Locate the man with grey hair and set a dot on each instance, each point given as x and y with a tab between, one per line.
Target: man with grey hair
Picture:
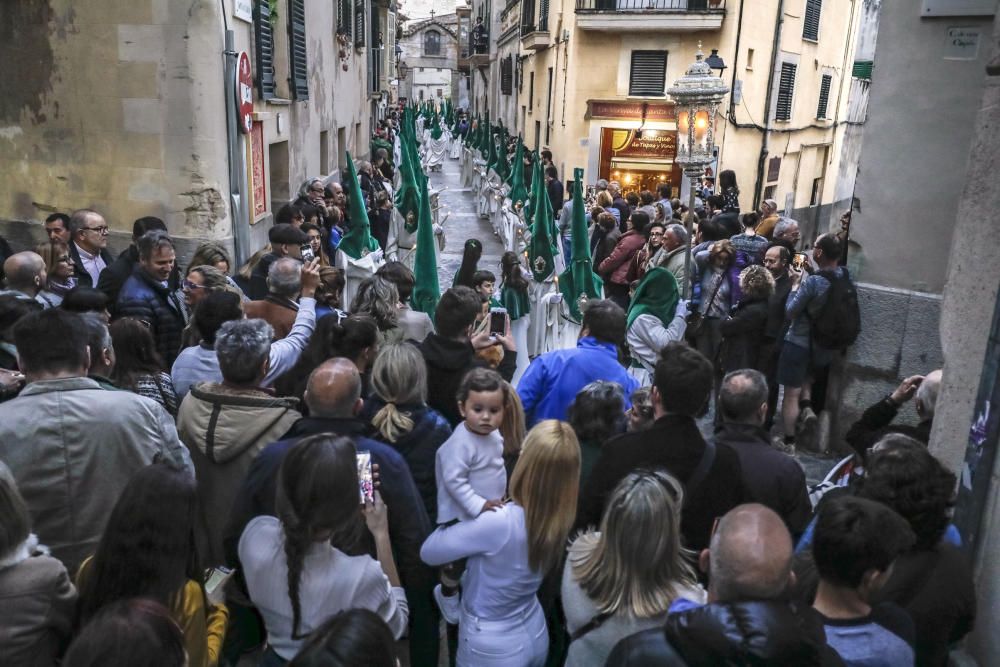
279	307
786	233
26	277
89	248
102	351
770	477
225	425
147	295
876	421
747	620
672	252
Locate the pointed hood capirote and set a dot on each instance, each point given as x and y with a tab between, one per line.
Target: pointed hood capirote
578	283
358	241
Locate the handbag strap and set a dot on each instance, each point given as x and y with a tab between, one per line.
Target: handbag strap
589	626
715	292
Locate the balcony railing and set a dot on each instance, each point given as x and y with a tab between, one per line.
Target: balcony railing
650	5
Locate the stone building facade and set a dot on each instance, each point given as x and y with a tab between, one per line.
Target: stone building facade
429	50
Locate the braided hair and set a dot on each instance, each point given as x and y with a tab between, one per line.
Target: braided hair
317	500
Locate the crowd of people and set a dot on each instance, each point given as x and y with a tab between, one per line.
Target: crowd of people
200	466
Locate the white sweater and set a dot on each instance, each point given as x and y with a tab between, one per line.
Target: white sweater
469	471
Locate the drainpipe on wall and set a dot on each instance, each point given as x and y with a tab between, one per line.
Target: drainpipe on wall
775	49
237	157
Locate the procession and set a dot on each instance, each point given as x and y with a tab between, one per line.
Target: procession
514	336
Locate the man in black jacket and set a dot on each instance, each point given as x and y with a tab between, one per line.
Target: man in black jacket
770	477
777	260
877	420
147	296
555	189
89	248
117	272
710	473
450	352
746	621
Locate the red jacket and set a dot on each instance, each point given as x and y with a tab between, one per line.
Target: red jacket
616	264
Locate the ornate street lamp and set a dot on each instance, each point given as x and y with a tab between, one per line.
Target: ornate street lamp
697	95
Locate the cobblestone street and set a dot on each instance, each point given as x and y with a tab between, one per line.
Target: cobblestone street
461	222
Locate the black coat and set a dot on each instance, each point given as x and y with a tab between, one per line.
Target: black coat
556	195
447	363
83	278
770	477
674	444
146	299
419	446
739	633
117	272
742	335
774	330
876	422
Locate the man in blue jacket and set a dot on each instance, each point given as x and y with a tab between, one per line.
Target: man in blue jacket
333	397
553	379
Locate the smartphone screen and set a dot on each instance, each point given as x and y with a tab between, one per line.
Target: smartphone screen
498	322
366	482
799	260
307	252
216	577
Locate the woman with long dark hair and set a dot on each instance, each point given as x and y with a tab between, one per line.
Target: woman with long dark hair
137	631
148	550
138	367
354	337
471	254
296	578
349	639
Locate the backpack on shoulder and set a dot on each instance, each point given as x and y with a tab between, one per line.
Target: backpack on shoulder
837	325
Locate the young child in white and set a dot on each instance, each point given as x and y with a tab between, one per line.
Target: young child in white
469	467
471	478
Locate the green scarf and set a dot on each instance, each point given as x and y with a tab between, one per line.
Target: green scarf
656	295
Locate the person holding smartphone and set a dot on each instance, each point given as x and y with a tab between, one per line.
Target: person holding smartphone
296	577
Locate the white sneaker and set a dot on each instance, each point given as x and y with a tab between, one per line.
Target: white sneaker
450	605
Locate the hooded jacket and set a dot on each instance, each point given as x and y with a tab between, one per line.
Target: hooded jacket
224	429
767	632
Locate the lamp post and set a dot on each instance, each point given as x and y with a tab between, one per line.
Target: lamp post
697	95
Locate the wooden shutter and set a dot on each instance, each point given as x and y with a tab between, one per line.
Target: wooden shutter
824	96
345	17
810	23
507	75
862	69
648	74
543	16
786	89
297	49
359	22
264	38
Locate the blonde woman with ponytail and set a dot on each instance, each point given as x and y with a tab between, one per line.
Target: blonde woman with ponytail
624	578
510	549
399	413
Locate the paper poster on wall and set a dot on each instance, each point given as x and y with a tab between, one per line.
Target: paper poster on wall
255	172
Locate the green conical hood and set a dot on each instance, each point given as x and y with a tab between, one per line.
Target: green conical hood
358	241
578	283
541	258
518	191
407	197
426	290
436	131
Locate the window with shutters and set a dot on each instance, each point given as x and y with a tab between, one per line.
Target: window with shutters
432	43
345	17
297	49
786	91
810	23
648	74
264	38
359	23
543	16
507	75
824	96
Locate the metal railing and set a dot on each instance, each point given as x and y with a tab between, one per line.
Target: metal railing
650	5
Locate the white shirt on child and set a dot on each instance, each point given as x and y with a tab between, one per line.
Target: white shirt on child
469	471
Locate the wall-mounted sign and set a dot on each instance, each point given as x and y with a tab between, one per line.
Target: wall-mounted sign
243	10
258	183
958	8
244	92
962	44
612	110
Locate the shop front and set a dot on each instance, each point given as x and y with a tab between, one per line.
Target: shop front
638	143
